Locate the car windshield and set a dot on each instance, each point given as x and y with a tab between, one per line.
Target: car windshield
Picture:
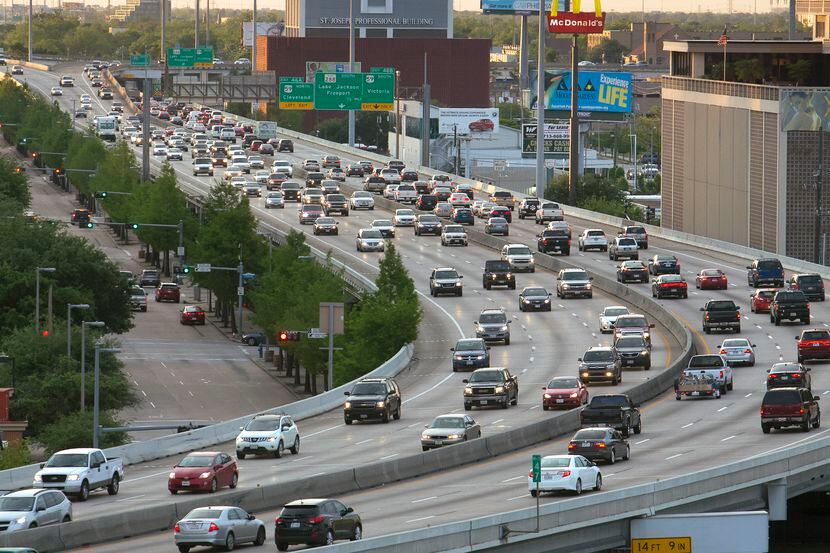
447	422
721	306
706	361
635	230
404	212
631	342
497	221
595	233
16	503
325	221
362	195
563	382
633	265
615	311
598	355
429	218
809	279
535	292
300	510
769	264
627	242
664	258
609	401
710	273
574	275
382	223
782	397
491	318
369	389
371	234
793	297
453	228
446	274
735	343
197	461
555	462
487	376
518	250
468	345
67	460
192	309
262	425
766	294
589	434
204	513
671	278
273	195
815	335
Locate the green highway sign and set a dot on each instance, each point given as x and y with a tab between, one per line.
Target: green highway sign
383	70
536	468
190	57
140	59
292	80
296	94
338	91
378	92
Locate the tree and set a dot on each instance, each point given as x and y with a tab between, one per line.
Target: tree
608	51
13	185
84	155
800	71
749	70
336	130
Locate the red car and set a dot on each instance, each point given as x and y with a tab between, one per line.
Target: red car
482	125
193	315
501	211
205	471
168	291
711	279
564	392
255	145
813	344
760	300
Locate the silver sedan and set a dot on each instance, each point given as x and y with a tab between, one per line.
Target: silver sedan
448	430
222	526
738	351
609	316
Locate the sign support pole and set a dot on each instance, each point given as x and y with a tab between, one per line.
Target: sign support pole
351	70
540	106
573	158
425	123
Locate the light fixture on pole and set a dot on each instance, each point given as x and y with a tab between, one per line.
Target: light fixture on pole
69	308
351	121
37	294
4	358
84	325
96	427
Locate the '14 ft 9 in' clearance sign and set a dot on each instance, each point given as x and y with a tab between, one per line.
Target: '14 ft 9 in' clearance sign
576	22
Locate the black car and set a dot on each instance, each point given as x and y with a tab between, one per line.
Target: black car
149	277
291	191
354	170
528	207
314	179
409	175
785	375
632	271
497	273
663	265
421	187
325	225
811	284
427	224
470	353
600	444
81	217
491	386
373	398
254	338
285	145
316	522
534	298
426	202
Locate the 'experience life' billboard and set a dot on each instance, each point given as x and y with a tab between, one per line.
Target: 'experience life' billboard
599	91
513	7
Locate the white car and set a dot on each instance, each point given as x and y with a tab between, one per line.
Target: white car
453	234
271	434
572	473
233	171
459	199
476	206
174	154
241	162
274	200
389	191
549	211
485	209
519	256
159	150
404	218
362	200
609	316
283	166
385	226
262	176
738	351
391	176
24	509
238	182
593	239
256	162
57	91
369	240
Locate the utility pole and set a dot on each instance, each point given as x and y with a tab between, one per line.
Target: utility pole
253	42
573	157
30	31
37	294
397	114
241	294
427	112
163	42
207	23
523	44
351	68
96	426
196	36
541	180
69	308
145	119
84	326
819	184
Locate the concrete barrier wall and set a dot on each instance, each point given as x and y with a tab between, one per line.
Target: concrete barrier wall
30	65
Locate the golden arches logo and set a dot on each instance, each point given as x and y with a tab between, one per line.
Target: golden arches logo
575	7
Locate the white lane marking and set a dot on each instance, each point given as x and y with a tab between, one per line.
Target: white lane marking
145	476
130	498
518	497
144	393
536	406
389	456
777	346
411	425
364	441
687	425
165	366
419	519
428	390
315	474
722	409
531	359
642	441
514	478
673	457
424	499
321	431
826	392
497	421
153	405
749	394
727	438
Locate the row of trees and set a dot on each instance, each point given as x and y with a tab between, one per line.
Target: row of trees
604	194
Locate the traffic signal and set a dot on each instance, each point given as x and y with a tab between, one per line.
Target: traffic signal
19	169
57	171
289	336
88	224
133	226
187	269
100	194
35	155
45	333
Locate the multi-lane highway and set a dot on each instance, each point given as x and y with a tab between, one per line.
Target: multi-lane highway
678	437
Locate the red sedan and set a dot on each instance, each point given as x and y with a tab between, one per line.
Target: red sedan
168	291
193	315
761	299
205	471
564	392
711	279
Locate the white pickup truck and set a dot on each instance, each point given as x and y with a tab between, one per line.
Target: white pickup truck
76	472
406	193
714	365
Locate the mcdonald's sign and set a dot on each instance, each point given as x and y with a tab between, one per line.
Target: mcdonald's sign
576	21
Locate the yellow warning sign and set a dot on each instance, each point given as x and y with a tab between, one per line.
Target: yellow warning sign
661	545
296	105
377	107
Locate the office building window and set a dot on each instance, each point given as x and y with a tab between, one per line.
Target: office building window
376	6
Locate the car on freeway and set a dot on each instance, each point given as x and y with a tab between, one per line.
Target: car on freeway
547	212
253	338
459	199
314	179
789	305
275	180
336	173
785	375
33	508
374	184
203	471
389	191
233	171
623	246
354	170
634	323
409	175
367	165
336	203
218	526
811	284
491	386
493	325
721	315
291	191
663	265
669	286
449	429
285	145
77	472
551	241
282	166
528	207
138	299
168	291
453	234
325	225
738	351
261	177
445	280
463	216
174	154
330	161
497	225
485	209
600	444
503	198
574	282
149	277
426	202
497	272
404	218
634	351
17	70
470	353
813	344
313	196
56	91
600	364
239	181
385	226
765	271
268	434
274	199
159	149
711	279
784	407
501	211
609	316
193	315
81	217
390	176
310	165
405	193
637	232
266	149
443	210
362	200
519	257
427	224
573	473
534	298
714	365
760	300
369	239
564	392
592	239
316	522
373	398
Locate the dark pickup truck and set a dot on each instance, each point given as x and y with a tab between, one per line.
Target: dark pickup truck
554	241
497	273
614	411
765	272
491	386
790	305
721	315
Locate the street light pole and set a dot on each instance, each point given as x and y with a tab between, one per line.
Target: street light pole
69	308
96	427
37	294
541	181
84	325
253	42
397	114
30	31
351	68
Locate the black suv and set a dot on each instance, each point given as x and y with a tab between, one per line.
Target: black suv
791	306
316	522
426	202
497	273
811	284
285	145
495	386
470	353
528	207
373	398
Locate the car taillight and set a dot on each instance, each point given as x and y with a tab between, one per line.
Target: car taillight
801	411
738	315
722	351
808	307
316	520
566	473
177	528
795	375
762	412
570	446
707	316
530	474
721	374
279	520
600	445
213	527
545	242
569	241
772	376
747	351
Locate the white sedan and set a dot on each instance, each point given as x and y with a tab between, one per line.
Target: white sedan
566	473
362	200
57	91
404	218
233	171
174	154
159	150
593	239
283	166
609	316
459	199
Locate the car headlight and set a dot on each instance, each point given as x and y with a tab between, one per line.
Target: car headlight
609	374
499	389
588	286
381	404
21	520
271	439
547	300
455	436
480	357
644	352
459	358
172	475
574	395
504	328
72	478
566	286
546	396
204	475
468	391
527	301
38	478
